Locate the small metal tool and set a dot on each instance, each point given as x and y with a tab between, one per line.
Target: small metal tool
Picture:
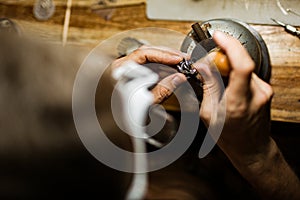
288	28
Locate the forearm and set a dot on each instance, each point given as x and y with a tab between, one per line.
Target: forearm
270	174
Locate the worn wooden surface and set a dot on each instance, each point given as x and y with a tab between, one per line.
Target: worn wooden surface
88	28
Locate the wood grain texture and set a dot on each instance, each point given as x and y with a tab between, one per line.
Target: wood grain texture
79	3
88	28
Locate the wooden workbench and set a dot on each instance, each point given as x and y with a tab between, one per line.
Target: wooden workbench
88	28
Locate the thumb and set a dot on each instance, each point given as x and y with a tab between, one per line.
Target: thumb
167	86
213	86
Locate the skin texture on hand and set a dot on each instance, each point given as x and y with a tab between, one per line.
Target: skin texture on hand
246	99
152	54
245	138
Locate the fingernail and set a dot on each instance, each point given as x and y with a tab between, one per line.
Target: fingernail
176	81
220	35
177	57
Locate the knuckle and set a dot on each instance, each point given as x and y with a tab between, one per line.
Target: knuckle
270	92
163	93
251	64
265	97
250	67
142	50
137	51
144	46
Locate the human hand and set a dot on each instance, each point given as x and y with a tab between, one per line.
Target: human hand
245	137
163	55
246	100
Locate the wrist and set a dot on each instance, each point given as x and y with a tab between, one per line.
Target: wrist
250	152
260	160
252	159
269	173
